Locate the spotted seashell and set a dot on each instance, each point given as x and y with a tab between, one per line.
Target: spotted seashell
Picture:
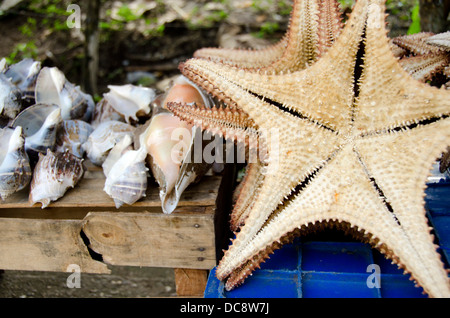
15	171
130	101
53	175
127	179
10	98
52	87
103	139
170	145
24	75
72	135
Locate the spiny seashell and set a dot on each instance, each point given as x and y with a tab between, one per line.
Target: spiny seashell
130	101
10	98
72	135
103	139
172	160
52	87
15	171
124	145
53	175
24	74
40	123
127	179
103	111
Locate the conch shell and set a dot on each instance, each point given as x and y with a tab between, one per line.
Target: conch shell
73	134
10	98
126	181
130	101
53	175
124	145
15	171
24	75
52	87
170	145
40	123
104	138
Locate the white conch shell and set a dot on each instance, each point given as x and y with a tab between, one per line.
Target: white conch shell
170	145
103	139
10	98
15	171
40	123
73	134
127	179
24	75
129	100
52	87
53	175
124	145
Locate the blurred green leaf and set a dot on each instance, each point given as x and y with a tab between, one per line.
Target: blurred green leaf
415	20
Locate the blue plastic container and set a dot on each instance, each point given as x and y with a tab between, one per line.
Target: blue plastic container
317	269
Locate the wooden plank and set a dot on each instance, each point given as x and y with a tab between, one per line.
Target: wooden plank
190	282
153	239
44	245
89	193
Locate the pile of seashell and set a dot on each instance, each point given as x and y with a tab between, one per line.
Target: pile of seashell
48	126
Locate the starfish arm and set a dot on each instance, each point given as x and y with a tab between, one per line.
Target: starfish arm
417	43
233	124
330	25
281	178
242	57
423	67
402	182
441	40
251	184
313	27
388	96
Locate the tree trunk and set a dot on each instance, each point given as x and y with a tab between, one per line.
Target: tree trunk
434	15
91	46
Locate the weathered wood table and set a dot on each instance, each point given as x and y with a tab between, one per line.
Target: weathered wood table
84	228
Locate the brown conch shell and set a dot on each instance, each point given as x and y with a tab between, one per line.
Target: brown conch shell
53	175
170	145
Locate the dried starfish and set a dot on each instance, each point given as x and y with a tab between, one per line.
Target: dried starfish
350	142
423	55
313	27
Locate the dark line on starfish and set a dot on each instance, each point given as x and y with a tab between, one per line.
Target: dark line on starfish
287	110
357	72
377	188
407	127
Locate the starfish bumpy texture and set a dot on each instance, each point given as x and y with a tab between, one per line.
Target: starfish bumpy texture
350	139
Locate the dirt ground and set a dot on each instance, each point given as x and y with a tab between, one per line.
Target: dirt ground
123	282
